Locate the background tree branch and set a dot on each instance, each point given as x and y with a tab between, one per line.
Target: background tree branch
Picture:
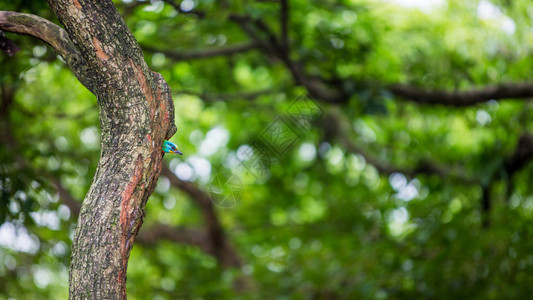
218	241
158	232
202	54
7	45
464	98
336	127
335	91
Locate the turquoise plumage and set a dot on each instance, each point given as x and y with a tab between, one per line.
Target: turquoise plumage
169	147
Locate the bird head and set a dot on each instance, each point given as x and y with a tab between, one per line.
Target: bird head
169	147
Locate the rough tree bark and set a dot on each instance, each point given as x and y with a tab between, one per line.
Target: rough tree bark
136	115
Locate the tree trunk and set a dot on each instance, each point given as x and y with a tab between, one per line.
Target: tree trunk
136	115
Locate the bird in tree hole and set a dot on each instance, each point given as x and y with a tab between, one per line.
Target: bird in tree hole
169	147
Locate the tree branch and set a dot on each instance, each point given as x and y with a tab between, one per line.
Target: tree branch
337	128
50	33
255	28
522	155
207	53
209	97
195	237
485	205
221	247
316	88
284	20
66	197
336	93
182	235
35	26
177	7
7	94
466	98
7	45
519	159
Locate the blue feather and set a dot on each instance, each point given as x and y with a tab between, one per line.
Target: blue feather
169	147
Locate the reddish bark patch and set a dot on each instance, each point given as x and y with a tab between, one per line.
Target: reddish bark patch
145	85
122	282
158	93
150	140
77	4
128	192
163	97
125	214
162	106
99	52
166	117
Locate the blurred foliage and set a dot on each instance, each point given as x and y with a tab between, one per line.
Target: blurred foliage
319	221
